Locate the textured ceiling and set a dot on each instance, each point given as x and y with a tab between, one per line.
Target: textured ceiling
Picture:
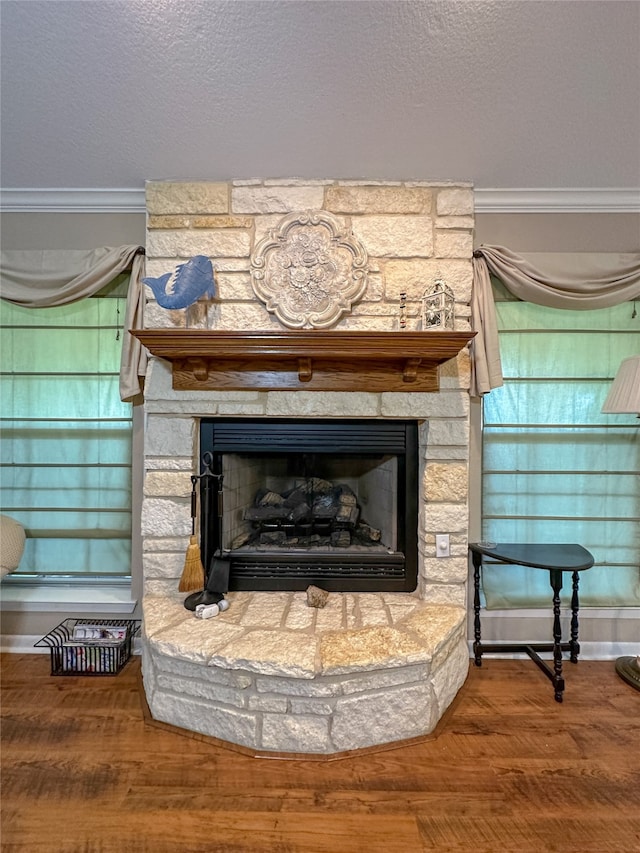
509	94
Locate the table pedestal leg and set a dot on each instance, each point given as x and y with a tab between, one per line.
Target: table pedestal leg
477	645
558	681
575	606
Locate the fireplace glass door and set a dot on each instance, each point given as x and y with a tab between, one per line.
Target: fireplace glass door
326	502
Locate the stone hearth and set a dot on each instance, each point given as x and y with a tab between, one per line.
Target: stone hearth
272	673
262	674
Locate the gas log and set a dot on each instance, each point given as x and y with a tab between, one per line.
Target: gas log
314	513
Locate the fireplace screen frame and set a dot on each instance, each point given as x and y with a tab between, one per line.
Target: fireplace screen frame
395	571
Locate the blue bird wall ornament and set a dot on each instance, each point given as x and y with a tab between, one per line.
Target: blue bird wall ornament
185	285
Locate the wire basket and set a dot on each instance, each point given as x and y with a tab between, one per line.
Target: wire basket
87	647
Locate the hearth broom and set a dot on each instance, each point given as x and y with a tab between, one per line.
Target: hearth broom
193	571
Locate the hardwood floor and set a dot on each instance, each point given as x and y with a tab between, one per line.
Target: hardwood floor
508	770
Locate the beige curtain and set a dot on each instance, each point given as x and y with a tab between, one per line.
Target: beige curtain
576	282
43	279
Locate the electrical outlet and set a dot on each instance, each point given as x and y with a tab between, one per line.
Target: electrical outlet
442	545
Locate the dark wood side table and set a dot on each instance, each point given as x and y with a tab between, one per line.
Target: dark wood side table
556	559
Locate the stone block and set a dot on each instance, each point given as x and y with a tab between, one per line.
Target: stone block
450	676
445	482
453	244
425	405
384	321
167	223
230	724
159	587
380	647
188	243
445	518
156	317
456	373
246	316
175	197
211	222
169	436
276	199
385	716
161	612
365	311
158	381
311	706
374	291
176	484
266	610
264	702
331	617
197	640
282	732
163	565
378	199
372	611
154	268
201	689
394	236
380	679
269	652
255	407
165	517
165	544
410	276
455	201
358	404
436	625
212	675
289	182
299	615
320	687
233	286
445	569
449	433
443	593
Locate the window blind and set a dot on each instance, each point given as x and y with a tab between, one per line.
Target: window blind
65	436
555	469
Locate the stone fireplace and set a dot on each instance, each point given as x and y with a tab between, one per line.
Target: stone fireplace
294	502
271	674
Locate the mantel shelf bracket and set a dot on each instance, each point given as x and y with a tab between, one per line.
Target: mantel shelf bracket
305	370
200	368
410	372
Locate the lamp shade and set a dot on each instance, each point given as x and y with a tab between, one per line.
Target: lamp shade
624	394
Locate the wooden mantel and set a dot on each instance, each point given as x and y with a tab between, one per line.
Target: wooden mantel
312	360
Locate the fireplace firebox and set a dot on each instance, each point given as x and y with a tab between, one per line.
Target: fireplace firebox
332	503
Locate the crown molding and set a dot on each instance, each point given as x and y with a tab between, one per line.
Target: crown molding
132	200
557	200
61	200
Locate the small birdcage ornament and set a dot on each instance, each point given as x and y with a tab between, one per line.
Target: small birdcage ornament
438	307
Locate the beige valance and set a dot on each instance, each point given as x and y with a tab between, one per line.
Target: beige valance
584	281
46	278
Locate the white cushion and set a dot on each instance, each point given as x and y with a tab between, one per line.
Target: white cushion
12	539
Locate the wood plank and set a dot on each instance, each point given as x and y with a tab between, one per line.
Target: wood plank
510	770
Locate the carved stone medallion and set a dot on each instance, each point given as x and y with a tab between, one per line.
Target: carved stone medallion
309	271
